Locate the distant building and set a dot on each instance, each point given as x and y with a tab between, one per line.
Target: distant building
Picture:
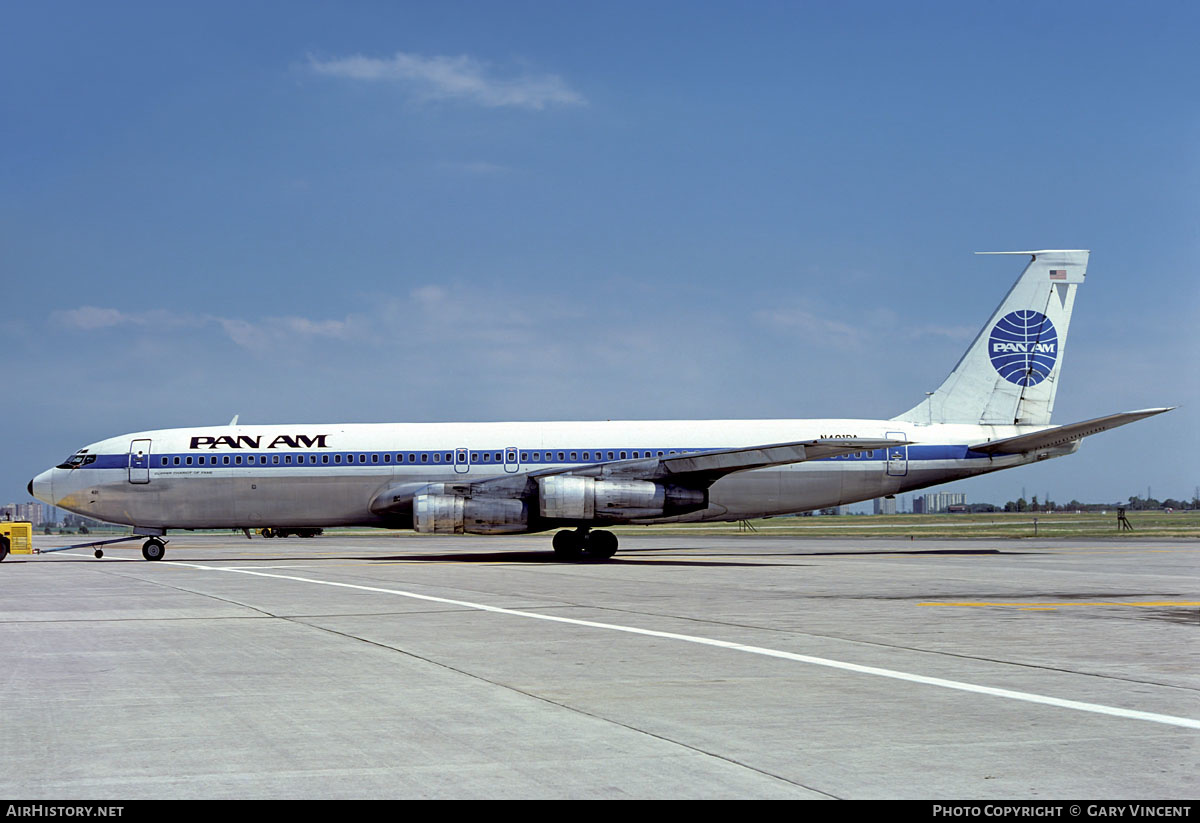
36	513
937	502
885	505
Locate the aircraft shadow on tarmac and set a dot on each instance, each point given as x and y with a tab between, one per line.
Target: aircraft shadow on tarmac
660	556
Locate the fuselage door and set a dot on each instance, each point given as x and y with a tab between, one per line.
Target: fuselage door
139	461
511	459
462	461
897	456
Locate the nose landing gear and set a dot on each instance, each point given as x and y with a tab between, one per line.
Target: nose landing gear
154	549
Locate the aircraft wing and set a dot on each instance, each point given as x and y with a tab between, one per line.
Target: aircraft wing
1062	435
703	468
697	469
714	463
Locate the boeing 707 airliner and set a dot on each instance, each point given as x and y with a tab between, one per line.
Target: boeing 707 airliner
991	413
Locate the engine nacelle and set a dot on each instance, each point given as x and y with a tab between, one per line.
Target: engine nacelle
452	514
567	497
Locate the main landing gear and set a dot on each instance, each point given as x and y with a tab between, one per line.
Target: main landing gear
154	549
573	545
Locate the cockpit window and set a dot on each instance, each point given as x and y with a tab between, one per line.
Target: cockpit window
80	458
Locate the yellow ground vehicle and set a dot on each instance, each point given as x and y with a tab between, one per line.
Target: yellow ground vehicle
16	536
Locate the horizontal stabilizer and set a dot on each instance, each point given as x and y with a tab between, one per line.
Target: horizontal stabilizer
1062	435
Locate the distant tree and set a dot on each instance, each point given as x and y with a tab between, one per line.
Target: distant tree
1022	505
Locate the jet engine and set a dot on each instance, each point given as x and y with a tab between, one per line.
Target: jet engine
568	497
453	514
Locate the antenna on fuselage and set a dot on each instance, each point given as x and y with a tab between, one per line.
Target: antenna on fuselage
233	422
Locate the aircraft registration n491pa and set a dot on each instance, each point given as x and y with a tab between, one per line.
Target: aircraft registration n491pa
991	413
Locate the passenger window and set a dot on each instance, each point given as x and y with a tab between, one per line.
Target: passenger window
176	461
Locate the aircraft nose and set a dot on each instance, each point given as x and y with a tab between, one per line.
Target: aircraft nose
42	487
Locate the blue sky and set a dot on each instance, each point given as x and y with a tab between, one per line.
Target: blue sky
487	211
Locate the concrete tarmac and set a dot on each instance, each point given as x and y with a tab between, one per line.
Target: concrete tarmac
737	666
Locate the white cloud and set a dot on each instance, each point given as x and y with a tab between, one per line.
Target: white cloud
429	295
89	318
258	335
812	326
453	78
93	318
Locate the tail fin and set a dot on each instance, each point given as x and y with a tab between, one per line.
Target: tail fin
1010	373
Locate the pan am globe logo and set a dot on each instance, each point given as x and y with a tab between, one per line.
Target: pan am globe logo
1024	347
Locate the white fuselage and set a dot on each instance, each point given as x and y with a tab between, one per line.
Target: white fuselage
328	475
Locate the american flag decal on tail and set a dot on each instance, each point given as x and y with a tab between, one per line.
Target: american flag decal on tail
1058	274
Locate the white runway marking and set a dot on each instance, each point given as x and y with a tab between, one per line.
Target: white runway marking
1028	697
